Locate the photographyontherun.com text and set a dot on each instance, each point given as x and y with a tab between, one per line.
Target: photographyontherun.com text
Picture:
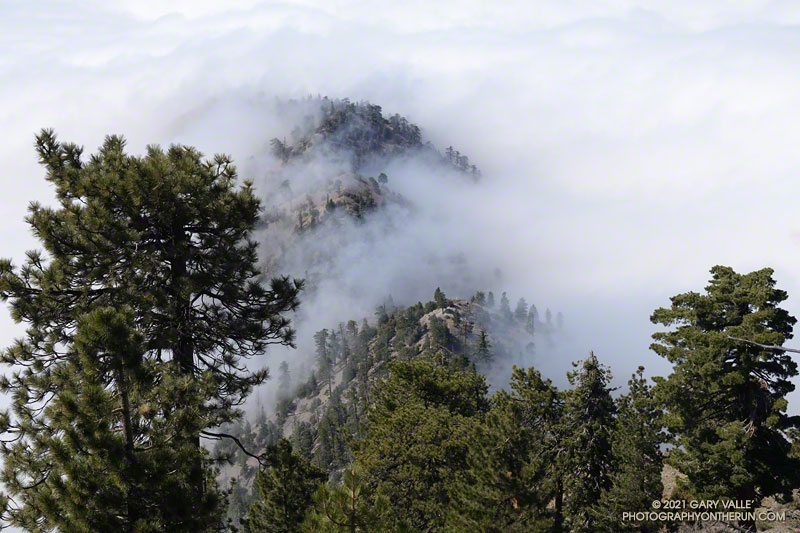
703	510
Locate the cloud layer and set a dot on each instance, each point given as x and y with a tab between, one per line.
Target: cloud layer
627	146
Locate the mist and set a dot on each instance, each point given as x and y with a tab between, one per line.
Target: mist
626	148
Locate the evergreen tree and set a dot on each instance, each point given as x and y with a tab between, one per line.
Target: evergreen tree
505	308
512	461
521	311
284	381
439	298
530	322
490	300
479	298
285	491
417	438
347	508
636	448
483	353
589	411
324	362
726	398
167	236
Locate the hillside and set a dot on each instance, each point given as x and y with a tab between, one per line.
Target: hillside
324	412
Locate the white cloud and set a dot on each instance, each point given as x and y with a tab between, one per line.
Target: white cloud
627	146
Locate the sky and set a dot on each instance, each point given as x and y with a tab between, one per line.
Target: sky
626	147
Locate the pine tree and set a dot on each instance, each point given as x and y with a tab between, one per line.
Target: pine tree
530	322
167	236
521	311
589	412
490	300
417	438
505	308
285	491
512	461
483	353
284	381
324	362
439	298
726	398
347	508
636	448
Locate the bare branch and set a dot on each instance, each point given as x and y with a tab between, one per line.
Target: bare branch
766	346
218	436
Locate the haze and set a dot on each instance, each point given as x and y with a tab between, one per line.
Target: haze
626	147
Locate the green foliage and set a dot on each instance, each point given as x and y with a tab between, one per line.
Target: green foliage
347	508
286	488
166	237
511	461
726	399
417	439
588	426
440	298
636	448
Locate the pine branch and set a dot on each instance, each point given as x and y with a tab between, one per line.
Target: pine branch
219	436
766	346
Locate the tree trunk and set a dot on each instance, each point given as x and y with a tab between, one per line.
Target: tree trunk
558	521
183	350
133	501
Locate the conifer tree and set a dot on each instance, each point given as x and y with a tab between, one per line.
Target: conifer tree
530	322
505	308
483	353
347	508
636	448
167	236
490	300
417	438
439	298
285	491
324	362
284	381
589	422
521	311
512	461
726	398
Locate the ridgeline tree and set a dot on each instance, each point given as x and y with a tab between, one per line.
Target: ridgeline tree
636	448
167	237
505	308
589	422
726	398
286	488
521	311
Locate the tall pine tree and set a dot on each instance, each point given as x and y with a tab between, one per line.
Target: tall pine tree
285	491
636	447
589	423
726	398
168	237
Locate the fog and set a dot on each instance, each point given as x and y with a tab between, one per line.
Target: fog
626	147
